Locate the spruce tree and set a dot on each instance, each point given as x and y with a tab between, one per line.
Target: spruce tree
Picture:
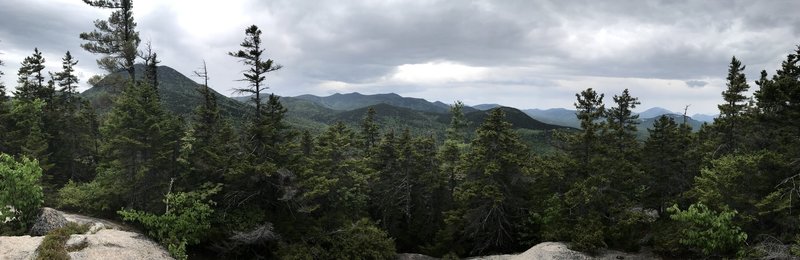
730	122
212	147
335	188
116	38
3	96
5	107
669	153
491	198
31	81
252	55
66	79
622	124
590	110
369	130
141	148
454	145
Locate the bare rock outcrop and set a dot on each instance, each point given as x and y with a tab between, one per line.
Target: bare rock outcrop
49	220
104	240
548	251
115	244
19	247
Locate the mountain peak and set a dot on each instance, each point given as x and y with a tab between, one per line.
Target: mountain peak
654	112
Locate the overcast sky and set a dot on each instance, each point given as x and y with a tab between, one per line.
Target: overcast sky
526	54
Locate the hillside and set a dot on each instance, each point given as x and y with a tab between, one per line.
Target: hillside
648	123
356	100
555	116
654	112
178	93
518	118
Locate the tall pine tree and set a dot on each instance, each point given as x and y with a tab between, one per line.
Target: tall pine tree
491	198
31	80
116	38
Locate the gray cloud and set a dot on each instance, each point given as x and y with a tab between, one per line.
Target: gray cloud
696	83
362	43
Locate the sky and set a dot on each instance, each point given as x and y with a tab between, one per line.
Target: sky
525	54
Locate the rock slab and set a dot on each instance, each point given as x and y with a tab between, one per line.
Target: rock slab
117	244
19	247
104	240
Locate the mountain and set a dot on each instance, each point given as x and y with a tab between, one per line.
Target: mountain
555	116
646	123
351	101
485	107
517	118
654	112
178	93
704	117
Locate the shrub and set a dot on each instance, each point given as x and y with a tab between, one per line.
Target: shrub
708	232
361	240
186	221
21	195
52	246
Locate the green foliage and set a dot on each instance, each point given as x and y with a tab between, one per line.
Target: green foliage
31	81
52	246
26	133
360	240
116	38
708	232
489	199
672	147
21	194
335	187
97	196
251	55
141	147
185	222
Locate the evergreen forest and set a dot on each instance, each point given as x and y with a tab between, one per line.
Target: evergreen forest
246	180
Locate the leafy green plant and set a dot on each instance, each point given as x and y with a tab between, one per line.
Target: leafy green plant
21	194
187	219
709	232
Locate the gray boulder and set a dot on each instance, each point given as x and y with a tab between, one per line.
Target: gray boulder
48	220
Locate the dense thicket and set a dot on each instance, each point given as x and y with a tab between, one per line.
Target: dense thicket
266	190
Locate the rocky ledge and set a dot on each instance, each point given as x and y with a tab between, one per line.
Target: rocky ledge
104	240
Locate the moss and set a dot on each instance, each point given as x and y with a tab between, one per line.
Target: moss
53	247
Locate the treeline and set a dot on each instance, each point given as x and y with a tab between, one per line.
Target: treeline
266	190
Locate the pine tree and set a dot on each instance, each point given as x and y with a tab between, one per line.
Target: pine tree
66	78
116	38
251	55
71	125
622	124
5	108
141	149
335	188
590	110
490	199
3	96
31	81
151	66
26	132
212	148
672	163
454	145
369	130
730	120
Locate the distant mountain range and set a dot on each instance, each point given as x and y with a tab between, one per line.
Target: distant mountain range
314	113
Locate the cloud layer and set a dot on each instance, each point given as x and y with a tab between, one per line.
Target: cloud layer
528	54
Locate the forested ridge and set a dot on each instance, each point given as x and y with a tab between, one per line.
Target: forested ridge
208	183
